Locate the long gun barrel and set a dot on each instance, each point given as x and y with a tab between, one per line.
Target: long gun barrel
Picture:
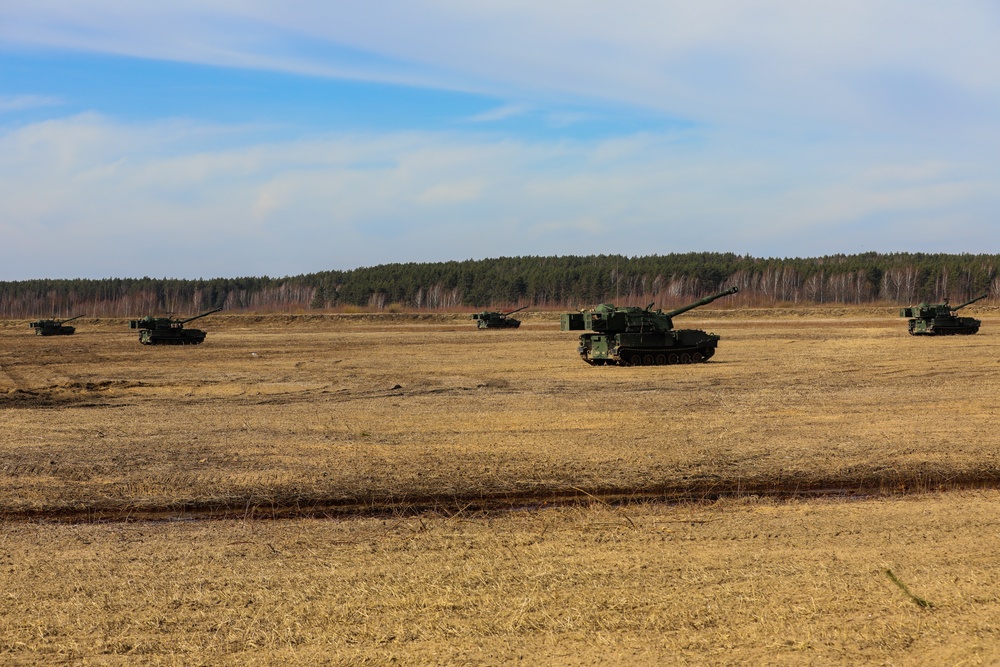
71	319
202	315
702	302
972	301
515	311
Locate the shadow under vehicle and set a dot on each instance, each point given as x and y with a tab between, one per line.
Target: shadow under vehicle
632	336
168	330
939	319
489	319
54	327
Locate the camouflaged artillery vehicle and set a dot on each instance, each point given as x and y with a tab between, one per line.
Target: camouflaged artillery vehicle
939	319
632	336
54	327
489	319
168	330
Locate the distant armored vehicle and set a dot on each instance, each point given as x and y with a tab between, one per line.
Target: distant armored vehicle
54	327
168	330
497	320
939	319
633	336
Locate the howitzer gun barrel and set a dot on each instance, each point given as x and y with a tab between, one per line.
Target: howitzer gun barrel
511	312
972	301
202	315
702	302
71	319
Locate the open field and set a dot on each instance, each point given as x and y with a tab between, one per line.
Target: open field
415	431
277	415
735	582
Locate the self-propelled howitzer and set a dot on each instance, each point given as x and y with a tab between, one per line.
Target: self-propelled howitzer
489	319
939	319
54	327
168	330
633	336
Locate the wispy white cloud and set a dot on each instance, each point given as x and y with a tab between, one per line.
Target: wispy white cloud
850	62
98	197
811	128
25	102
501	113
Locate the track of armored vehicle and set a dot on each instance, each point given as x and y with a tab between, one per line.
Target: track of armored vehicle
965	327
663	356
165	337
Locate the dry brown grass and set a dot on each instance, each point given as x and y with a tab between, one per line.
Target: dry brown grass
737	582
388	412
364	413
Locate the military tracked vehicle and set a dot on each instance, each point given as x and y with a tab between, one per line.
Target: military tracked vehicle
939	319
54	327
489	319
168	330
632	336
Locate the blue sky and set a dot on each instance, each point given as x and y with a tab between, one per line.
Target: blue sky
216	138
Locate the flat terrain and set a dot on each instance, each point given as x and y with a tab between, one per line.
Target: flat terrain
742	510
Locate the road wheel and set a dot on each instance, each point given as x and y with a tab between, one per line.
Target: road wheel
661	359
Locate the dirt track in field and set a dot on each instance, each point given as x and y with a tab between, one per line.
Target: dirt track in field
847	490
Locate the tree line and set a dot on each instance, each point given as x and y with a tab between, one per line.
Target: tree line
545	282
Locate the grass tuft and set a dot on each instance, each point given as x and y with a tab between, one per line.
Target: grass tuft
919	601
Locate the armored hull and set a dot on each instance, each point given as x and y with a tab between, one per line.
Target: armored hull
639	336
498	323
944	326
679	346
172	336
54	330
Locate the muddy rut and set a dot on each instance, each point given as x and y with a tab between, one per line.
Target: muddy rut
842	490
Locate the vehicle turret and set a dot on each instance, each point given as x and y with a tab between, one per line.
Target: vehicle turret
632	336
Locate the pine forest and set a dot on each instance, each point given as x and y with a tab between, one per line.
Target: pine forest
567	282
